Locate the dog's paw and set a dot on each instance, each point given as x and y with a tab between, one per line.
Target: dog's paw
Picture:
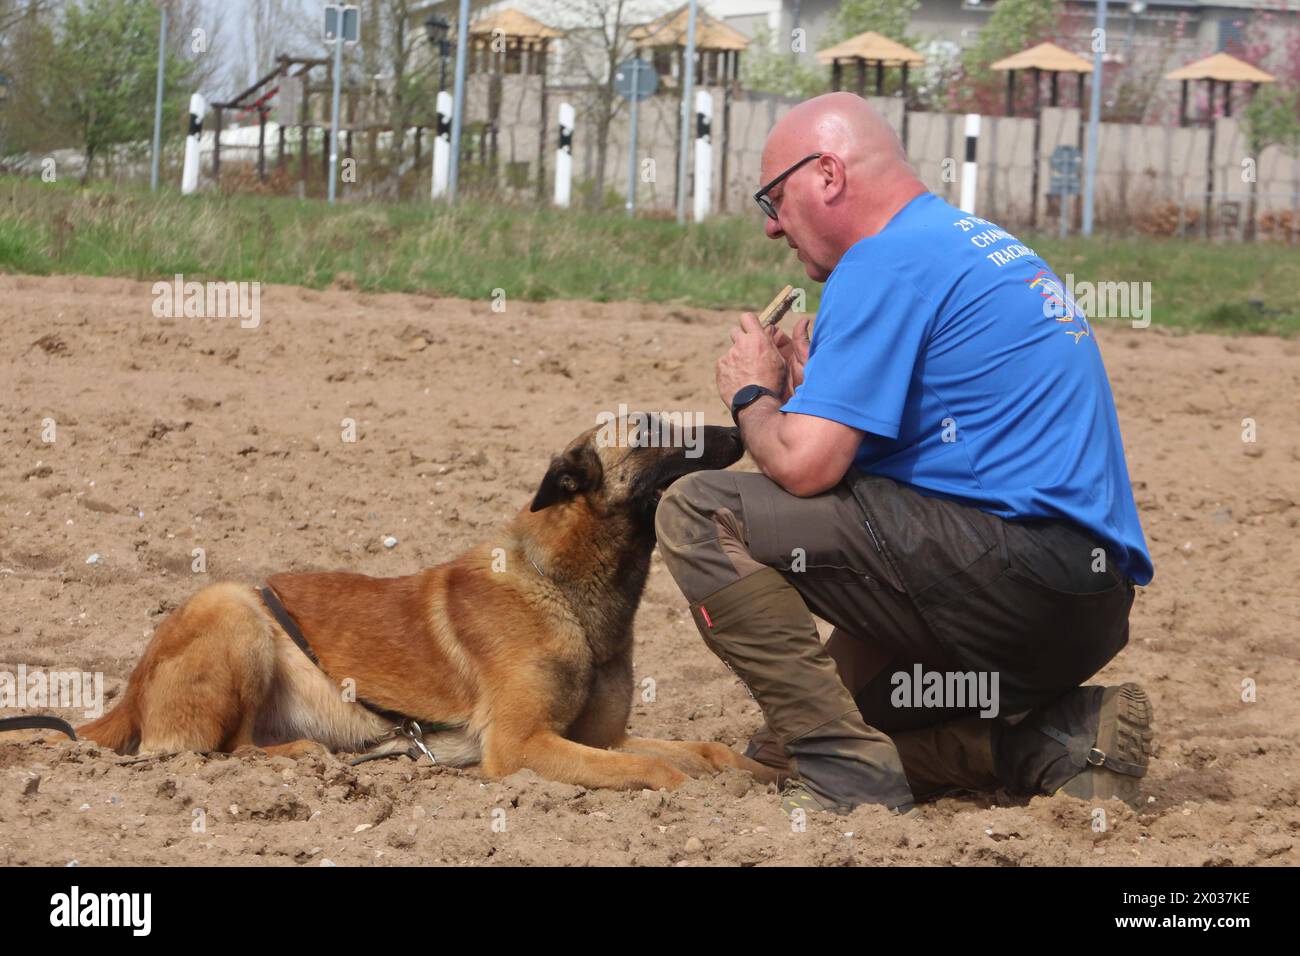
295	750
666	777
298	749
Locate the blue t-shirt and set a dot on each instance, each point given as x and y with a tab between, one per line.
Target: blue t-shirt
975	376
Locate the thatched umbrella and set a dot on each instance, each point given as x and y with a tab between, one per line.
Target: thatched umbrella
1050	59
1220	68
521	43
507	41
869	49
717	45
1045	58
1226	69
717	62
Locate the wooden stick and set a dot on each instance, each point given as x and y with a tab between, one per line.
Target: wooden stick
777	308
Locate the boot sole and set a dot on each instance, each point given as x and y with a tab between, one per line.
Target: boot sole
1124	732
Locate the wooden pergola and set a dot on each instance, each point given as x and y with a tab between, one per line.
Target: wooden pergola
717	63
508	42
521	44
866	50
1219	68
257	99
1045	58
1050	59
717	46
1226	69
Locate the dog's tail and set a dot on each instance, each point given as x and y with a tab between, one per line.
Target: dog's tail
118	730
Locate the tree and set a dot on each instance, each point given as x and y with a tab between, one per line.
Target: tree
1012	26
889	18
1273	115
594	52
1273	118
767	68
392	32
103	73
14	12
276	27
26	50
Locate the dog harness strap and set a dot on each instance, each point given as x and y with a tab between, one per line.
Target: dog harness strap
272	601
286	621
1096	757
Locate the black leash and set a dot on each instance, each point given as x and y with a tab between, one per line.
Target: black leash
37	722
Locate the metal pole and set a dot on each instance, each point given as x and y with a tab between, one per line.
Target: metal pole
458	107
334	121
1094	124
158	103
688	107
631	158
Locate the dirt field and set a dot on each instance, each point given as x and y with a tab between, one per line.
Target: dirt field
179	434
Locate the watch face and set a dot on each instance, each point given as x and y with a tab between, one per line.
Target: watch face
745	395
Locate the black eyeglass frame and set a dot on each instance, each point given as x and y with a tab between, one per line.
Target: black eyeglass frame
760	197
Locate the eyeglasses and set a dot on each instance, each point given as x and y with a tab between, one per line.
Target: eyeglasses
761	197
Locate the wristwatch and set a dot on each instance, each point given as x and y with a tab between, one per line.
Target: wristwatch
748	396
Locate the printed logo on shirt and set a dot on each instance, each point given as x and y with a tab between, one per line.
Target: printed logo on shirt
1059	304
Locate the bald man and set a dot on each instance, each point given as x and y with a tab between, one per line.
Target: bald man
942	479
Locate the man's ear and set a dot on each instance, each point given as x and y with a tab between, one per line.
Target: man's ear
834	176
575	471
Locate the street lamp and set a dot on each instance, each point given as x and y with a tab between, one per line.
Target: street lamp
438	29
1135	9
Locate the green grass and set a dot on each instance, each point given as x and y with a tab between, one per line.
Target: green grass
537	253
1210	287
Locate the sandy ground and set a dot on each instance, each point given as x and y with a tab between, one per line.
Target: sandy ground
179	434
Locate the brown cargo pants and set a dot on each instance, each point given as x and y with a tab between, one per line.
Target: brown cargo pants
913	586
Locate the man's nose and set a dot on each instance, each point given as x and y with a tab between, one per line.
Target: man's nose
772	227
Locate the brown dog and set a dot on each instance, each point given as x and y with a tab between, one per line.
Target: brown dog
518	654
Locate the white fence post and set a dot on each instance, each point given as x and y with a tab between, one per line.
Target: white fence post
703	153
442	146
970	169
564	156
193	145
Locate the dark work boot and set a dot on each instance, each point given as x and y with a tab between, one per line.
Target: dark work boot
947	757
1093	743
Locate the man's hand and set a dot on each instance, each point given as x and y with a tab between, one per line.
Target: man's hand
795	352
753	359
804	454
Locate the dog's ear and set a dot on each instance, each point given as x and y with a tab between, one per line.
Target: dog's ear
576	471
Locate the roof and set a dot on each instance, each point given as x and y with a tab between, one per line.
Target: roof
870	46
1047	57
512	23
670	30
1223	67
